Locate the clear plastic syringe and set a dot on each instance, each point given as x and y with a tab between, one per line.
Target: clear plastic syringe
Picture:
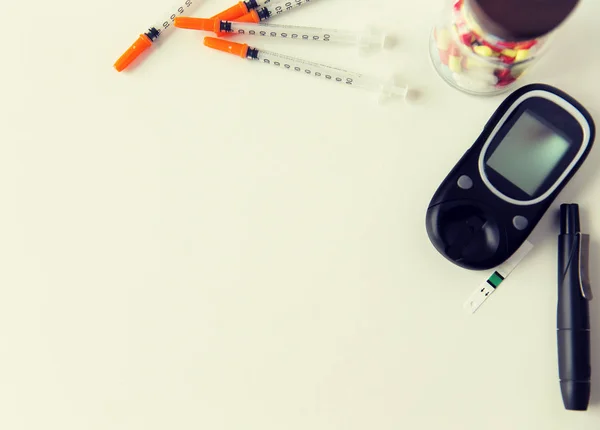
386	89
368	40
244	7
272	9
162	27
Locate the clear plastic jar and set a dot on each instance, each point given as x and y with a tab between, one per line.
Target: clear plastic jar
475	61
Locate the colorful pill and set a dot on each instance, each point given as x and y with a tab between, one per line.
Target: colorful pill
504	77
507	56
497	49
505	82
483	51
526	45
443	39
454	50
444	57
509	53
522	55
502	74
467	38
454	64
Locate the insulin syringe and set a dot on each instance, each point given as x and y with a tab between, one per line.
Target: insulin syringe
245	7
158	30
386	89
270	10
367	40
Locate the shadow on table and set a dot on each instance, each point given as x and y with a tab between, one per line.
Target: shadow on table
595	319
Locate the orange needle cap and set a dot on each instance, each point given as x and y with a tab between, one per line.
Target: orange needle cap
233	12
198	23
140	45
240	49
249	17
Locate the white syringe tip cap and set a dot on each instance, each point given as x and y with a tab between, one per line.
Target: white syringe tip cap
387	42
373	40
391	89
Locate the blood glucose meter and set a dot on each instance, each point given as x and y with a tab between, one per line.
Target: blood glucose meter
497	193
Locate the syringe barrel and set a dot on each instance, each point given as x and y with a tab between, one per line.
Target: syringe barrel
278	7
295	32
344	77
385	89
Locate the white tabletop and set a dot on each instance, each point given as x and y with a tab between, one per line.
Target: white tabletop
207	243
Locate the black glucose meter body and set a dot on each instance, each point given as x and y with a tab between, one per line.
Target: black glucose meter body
497	193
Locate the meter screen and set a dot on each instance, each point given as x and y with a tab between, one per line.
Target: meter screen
529	152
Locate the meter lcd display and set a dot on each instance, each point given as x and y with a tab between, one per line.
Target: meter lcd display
528	153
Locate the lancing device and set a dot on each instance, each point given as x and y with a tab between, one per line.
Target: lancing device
573	316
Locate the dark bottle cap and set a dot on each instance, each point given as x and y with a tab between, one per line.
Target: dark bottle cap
569	219
516	20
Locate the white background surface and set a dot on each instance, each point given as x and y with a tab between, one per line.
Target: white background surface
207	243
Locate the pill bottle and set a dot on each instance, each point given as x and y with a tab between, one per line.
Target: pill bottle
483	47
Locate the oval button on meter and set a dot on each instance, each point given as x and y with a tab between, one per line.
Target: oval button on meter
520	222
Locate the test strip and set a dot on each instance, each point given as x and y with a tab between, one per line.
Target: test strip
487	288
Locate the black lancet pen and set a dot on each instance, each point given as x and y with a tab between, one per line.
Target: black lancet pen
573	316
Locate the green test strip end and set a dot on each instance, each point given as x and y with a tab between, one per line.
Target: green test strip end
495	280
